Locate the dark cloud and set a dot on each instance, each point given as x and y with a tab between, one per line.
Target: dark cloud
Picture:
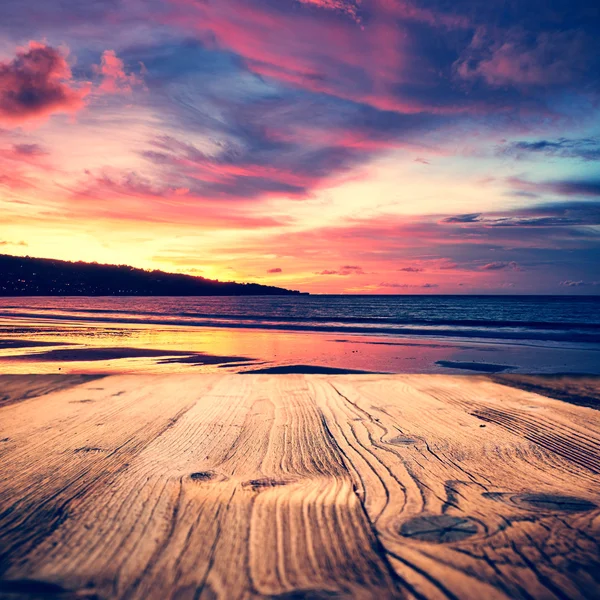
37	83
470	218
275	270
411	269
557	214
286	143
587	149
584	187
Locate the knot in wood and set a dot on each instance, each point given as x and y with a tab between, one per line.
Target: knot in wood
439	528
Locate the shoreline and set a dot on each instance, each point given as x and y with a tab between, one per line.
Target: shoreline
561	334
84	347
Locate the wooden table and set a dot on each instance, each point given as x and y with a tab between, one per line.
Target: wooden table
303	486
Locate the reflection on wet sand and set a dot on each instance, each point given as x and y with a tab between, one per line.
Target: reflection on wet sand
97	354
37	346
474	366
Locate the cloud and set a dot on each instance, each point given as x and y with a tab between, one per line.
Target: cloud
562	187
587	149
388	284
365	52
512	57
502	266
275	270
551	214
285	146
233	171
350	7
36	84
470	218
128	195
447	265
411	269
589	187
114	78
580	283
343	271
20	162
29	150
7	243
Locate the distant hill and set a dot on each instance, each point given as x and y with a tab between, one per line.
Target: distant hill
25	276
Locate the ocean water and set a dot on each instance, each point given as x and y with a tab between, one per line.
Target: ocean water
516	333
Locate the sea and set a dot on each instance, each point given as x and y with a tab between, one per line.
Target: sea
392	334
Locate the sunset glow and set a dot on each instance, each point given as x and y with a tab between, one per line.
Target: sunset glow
330	146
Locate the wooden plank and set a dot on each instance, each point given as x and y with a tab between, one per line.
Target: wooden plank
63	445
183	487
469	508
570	432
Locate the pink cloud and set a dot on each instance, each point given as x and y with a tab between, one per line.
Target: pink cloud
349	7
343	271
508	58
128	196
114	78
36	84
364	63
502	266
16	156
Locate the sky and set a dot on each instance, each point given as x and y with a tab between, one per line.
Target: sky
330	146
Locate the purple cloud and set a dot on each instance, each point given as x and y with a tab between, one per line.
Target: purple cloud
343	271
388	284
37	83
502	266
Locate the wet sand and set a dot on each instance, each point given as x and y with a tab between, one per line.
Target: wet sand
31	346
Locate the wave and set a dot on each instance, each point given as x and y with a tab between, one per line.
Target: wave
477	323
442	328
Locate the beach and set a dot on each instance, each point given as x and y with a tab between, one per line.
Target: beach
306	448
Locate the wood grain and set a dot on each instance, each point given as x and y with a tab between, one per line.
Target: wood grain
464	510
221	486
